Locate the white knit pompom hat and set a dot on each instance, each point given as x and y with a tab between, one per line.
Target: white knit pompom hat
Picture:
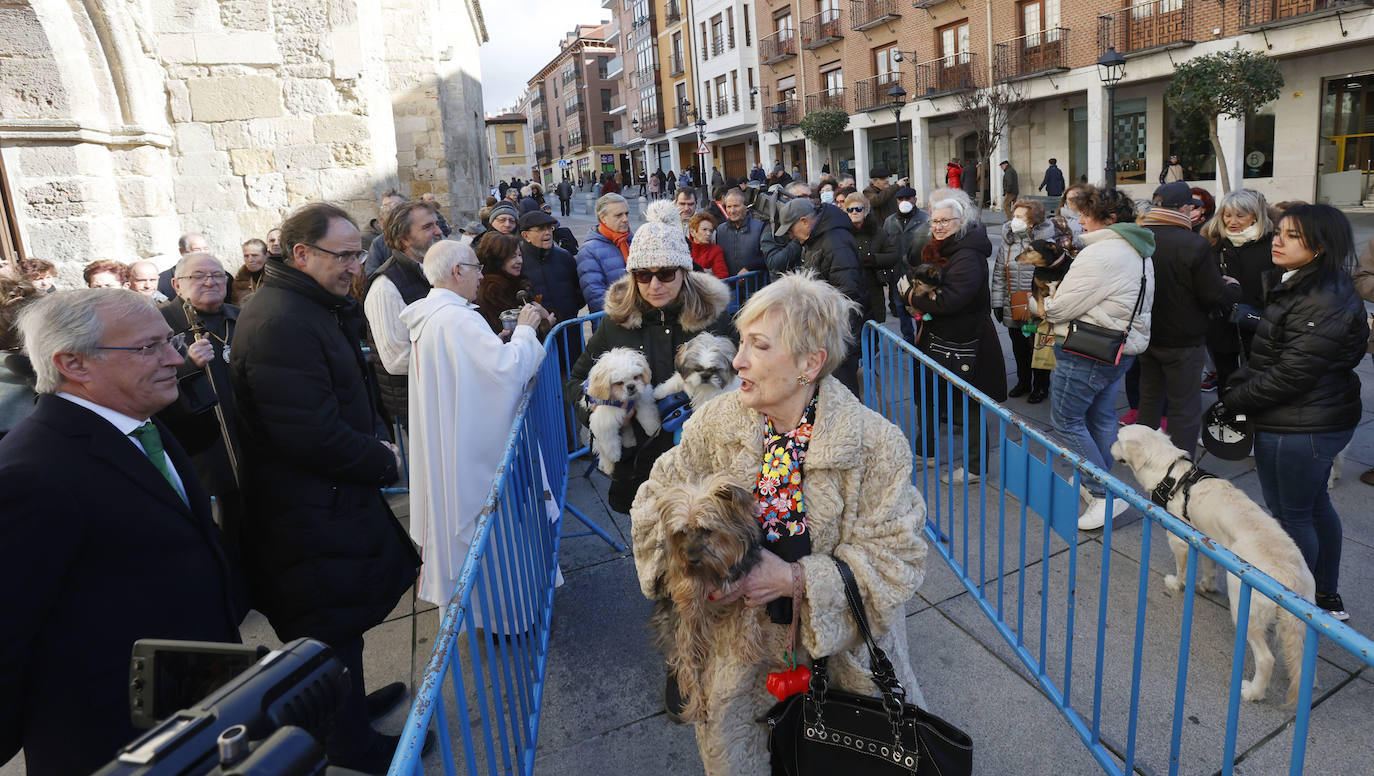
659	243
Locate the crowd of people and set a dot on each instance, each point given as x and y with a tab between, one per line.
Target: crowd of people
286	391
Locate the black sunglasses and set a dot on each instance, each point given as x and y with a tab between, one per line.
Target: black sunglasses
855	209
646	276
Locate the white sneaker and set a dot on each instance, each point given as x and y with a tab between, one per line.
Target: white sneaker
958	476
1095	516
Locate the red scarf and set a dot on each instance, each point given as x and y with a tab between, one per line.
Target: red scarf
621	240
930	254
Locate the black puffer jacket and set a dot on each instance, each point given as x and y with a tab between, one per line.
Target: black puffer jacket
324	555
832	252
1300	378
1188	287
877	258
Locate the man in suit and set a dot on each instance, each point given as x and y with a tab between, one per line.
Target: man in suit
106	531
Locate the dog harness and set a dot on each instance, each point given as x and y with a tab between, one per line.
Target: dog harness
1170	486
595	402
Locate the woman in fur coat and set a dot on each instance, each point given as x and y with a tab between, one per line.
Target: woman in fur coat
832	480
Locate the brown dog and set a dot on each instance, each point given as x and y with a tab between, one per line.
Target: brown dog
711	540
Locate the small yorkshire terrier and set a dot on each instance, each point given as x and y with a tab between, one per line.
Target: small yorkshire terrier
711	539
926	280
703	369
1051	264
620	379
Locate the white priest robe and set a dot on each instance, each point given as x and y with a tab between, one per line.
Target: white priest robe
464	386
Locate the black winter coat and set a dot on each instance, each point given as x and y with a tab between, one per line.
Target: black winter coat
1188	286
962	309
877	258
1300	378
832	252
325	556
1246	263
553	274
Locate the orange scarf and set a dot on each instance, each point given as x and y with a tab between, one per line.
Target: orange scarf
621	240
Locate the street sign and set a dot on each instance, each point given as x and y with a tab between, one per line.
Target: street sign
702	149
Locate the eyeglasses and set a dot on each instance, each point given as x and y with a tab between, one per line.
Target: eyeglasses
854	209
345	258
646	276
175	341
197	277
943	221
469	264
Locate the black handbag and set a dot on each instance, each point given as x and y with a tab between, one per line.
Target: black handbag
1099	342
961	358
825	731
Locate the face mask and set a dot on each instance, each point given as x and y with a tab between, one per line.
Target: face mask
905	207
827	196
1018	225
1068	212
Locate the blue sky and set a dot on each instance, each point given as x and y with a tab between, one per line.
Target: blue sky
524	36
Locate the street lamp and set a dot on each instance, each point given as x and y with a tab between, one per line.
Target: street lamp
779	116
1111	68
898	97
701	140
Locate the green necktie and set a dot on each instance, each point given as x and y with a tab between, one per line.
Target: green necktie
147	435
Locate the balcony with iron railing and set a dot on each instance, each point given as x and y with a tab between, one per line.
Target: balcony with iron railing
575	143
726	105
789	115
871	93
569	108
672	12
650	125
675	66
682	116
717	45
1148	26
777	47
822	29
946	75
1275	13
867	14
541	127
1030	55
826	98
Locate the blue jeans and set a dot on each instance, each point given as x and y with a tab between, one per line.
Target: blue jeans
1083	408
1292	471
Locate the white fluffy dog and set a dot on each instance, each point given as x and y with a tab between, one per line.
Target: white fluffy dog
1221	511
703	369
619	380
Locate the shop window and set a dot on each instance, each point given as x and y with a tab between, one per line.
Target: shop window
1188	137
1259	144
1128	139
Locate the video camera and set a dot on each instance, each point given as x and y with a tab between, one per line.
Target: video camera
267	720
765	202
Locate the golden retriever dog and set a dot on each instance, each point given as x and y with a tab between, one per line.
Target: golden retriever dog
1220	510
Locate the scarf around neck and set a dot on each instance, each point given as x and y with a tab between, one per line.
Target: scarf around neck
621	240
930	253
1247	235
1160	216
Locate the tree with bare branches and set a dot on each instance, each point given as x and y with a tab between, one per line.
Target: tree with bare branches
989	111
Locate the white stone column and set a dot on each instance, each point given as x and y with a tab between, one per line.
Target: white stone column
1099	126
815	157
1231	133
861	164
920	157
999	152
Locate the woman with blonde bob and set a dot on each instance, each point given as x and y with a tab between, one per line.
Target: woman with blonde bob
832	479
654	308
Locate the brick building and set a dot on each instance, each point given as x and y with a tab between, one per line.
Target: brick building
571	100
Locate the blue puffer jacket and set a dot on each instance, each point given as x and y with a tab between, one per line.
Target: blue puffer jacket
599	264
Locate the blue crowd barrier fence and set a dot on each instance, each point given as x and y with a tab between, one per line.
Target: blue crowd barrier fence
1012	540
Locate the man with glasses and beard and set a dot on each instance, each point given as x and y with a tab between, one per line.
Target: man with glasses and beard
325	557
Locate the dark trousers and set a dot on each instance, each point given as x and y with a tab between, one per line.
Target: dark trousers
632	470
1173	373
352	734
565	207
941	403
1021	349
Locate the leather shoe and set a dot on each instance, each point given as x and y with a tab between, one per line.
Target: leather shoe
1368	477
381	701
1038	395
1020	390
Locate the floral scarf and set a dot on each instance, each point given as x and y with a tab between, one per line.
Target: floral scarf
781	508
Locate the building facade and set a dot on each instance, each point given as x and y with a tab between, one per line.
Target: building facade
1314	143
508	139
123	125
571	103
727	82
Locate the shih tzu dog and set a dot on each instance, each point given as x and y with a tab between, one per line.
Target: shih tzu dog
620	379
711	540
703	370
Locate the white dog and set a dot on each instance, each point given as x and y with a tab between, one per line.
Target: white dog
704	369
1221	511
618	381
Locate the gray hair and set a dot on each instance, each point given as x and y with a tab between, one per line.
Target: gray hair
185	240
443	258
1239	201
798	189
190	257
960	209
813	315
71	322
604	203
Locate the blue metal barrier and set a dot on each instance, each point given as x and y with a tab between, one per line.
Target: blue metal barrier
1012	538
743	286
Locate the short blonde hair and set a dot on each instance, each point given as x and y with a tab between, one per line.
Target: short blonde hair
856	199
812	315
